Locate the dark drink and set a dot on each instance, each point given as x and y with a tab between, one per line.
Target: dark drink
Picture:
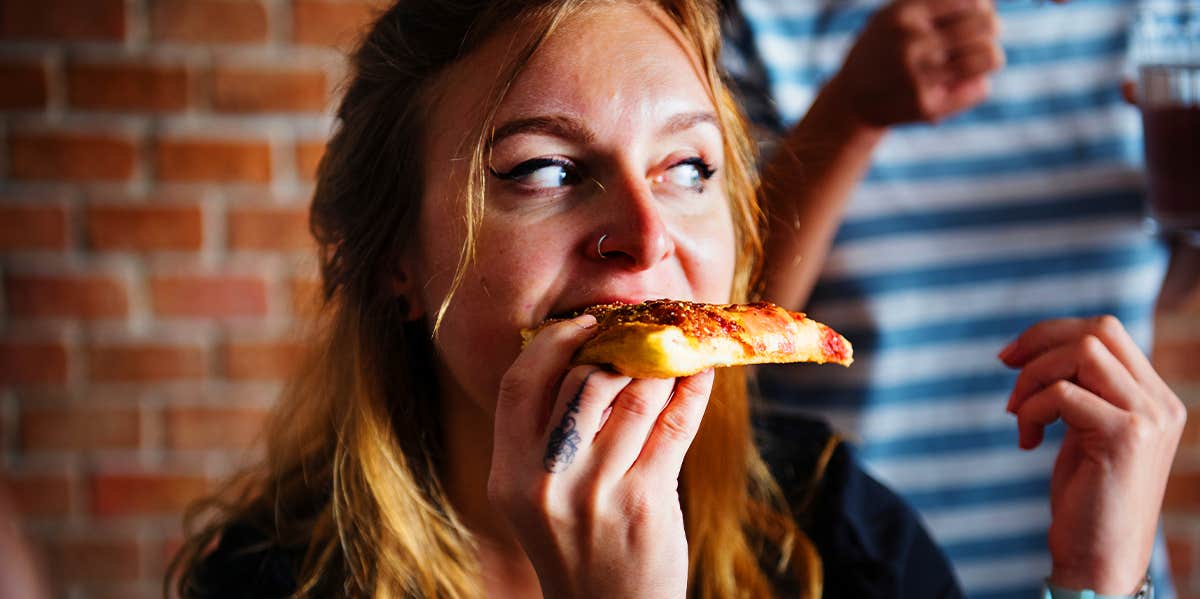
1171	126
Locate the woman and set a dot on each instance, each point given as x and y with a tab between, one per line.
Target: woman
422	452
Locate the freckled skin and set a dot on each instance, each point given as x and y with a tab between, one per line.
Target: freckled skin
623	76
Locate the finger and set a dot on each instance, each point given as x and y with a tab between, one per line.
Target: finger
947	10
1087	362
532	379
1047	334
962	95
677	426
972	60
585	395
634	413
1081	409
969	28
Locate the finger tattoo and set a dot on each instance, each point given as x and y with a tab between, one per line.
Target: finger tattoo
564	439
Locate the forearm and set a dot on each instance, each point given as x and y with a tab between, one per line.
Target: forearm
806	185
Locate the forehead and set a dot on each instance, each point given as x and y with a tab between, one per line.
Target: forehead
603	65
608	63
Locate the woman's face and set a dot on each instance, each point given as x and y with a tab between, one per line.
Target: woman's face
608	133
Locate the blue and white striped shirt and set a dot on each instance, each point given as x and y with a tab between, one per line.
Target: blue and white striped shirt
1024	208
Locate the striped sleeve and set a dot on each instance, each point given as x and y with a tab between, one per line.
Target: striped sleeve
1025	208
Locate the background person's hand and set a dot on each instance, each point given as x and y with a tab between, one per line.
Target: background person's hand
1124	425
587	468
920	60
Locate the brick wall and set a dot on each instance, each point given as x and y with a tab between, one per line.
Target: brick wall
156	158
155	162
1177	357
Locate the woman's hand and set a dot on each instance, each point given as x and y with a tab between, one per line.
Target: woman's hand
920	60
1124	424
586	469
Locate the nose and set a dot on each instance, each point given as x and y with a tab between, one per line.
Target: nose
634	233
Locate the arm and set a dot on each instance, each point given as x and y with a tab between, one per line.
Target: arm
916	60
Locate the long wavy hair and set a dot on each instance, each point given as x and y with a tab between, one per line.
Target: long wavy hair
350	478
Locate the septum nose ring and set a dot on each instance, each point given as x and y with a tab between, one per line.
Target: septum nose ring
599	250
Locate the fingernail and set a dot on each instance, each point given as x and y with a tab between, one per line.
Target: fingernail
585	321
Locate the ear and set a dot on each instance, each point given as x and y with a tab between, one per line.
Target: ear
400	282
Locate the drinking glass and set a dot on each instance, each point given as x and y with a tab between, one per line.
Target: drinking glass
1166	52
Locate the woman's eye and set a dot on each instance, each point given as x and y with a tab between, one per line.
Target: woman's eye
542	173
689	174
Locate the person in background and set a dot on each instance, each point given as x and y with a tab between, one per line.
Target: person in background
938	173
497	163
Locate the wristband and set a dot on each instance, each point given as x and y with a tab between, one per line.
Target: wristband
1146	591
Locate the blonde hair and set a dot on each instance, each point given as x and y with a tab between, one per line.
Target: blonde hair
351	470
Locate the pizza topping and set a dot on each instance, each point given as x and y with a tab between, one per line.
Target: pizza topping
669	338
696	320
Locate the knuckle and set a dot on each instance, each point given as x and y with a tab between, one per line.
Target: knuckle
992	24
1139	430
1061	388
638	401
634	403
998	59
1091	348
1177	413
676	426
1105	326
638	503
512	386
927	110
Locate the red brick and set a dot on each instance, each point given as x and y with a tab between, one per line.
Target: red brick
145	363
71	156
1183	556
1176	360
97	560
237	21
140	87
63	19
203	427
273	228
208	296
144	493
40	494
306	297
145	227
77	427
32	363
331	22
29	227
308	158
213	160
67	296
1183	492
261	360
24	85
1191	429
269	90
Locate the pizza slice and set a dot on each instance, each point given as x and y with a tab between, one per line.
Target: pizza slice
671	338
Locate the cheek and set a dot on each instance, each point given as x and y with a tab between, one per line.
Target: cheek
713	259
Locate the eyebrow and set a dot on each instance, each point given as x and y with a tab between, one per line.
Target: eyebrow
574	130
556	126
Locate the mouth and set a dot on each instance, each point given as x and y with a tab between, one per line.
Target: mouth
575	309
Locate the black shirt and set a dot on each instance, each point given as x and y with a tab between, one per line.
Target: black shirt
872	545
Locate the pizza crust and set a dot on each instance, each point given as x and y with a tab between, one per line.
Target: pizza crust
670	338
